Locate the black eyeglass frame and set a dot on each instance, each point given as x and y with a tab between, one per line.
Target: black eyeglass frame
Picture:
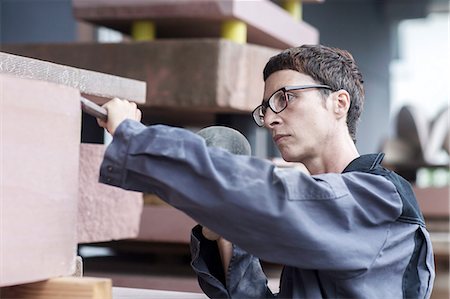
284	89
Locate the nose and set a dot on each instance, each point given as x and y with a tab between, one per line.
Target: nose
271	119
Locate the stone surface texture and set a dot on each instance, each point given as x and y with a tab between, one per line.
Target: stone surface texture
434	201
96	86
105	213
161	223
39	150
208	75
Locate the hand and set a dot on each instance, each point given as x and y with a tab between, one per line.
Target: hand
225	247
209	234
118	111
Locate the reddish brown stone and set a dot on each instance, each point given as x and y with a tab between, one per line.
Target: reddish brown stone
208	75
434	201
173	226
105	213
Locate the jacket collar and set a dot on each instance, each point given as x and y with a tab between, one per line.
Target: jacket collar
365	163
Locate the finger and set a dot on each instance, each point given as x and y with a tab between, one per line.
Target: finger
101	123
112	102
209	234
132	109
138	115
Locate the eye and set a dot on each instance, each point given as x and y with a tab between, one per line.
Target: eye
262	112
290	96
278	102
263	108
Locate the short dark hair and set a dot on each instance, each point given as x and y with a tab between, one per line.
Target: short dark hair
326	65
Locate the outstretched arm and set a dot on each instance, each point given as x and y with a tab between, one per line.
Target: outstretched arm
248	201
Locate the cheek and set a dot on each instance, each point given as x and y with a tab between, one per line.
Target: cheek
314	124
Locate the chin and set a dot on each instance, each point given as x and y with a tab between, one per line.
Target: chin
289	157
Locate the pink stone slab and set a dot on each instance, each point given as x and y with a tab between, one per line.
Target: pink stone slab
105	213
39	150
173	226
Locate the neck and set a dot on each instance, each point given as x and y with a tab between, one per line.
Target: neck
333	157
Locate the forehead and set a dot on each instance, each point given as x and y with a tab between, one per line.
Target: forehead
284	78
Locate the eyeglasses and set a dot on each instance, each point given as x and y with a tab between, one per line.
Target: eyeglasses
278	101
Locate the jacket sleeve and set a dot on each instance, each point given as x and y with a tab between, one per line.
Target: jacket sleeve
245	277
331	221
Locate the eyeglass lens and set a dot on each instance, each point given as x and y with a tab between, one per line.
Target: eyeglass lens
278	101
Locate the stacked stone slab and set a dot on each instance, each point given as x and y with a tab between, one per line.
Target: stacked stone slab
185	67
192	72
267	23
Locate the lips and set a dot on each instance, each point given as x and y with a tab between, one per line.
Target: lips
278	137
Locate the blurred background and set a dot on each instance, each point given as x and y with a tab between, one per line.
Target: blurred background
401	46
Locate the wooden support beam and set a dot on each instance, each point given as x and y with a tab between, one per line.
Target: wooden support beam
62	287
134	293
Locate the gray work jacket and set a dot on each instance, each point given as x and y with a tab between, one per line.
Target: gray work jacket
358	234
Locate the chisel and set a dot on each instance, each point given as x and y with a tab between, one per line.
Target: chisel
93	109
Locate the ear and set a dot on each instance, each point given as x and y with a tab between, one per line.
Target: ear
341	103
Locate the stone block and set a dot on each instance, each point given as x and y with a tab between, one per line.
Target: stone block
207	75
434	202
39	149
173	226
105	212
96	86
267	23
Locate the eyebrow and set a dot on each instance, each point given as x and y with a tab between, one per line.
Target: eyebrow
267	99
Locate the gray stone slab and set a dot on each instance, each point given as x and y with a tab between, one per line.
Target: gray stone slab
94	85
